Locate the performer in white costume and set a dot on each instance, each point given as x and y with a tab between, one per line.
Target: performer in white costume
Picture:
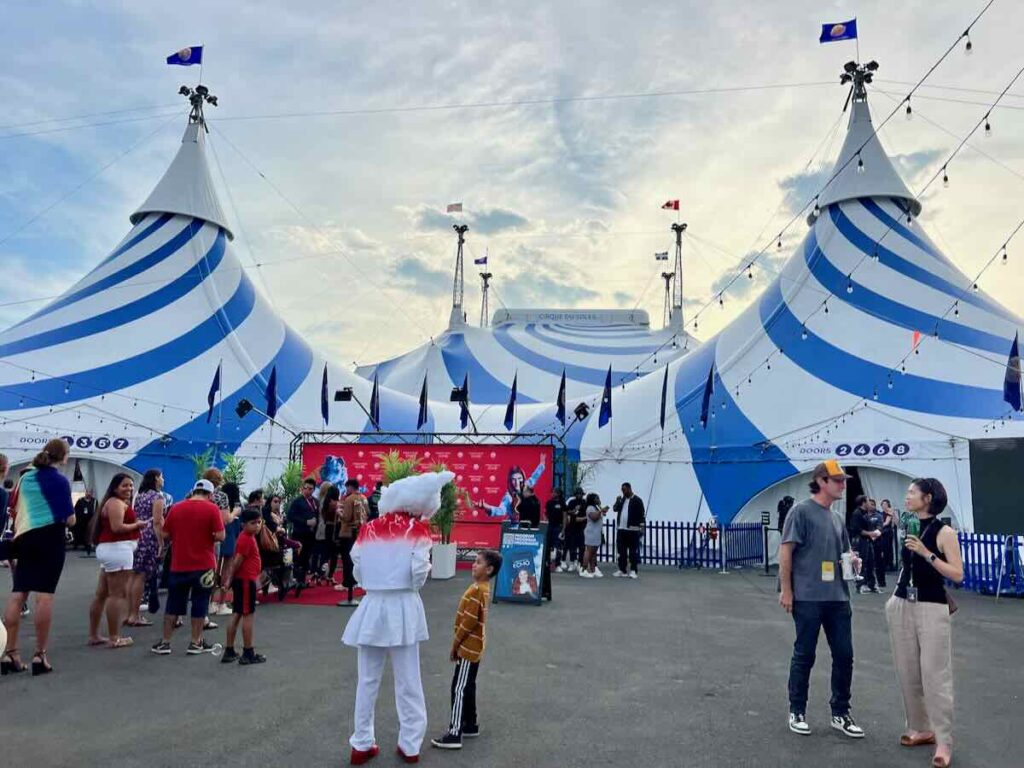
391	560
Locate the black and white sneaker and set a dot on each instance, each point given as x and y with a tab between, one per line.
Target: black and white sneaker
798	724
470	731
161	649
195	649
849	728
448	741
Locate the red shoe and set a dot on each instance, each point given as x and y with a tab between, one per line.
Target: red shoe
362	756
407	758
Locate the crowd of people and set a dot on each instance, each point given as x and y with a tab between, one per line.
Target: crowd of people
215	555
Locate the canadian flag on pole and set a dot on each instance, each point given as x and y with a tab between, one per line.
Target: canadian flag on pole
670	205
454	208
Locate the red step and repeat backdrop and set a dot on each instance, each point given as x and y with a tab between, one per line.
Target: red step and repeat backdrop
486	472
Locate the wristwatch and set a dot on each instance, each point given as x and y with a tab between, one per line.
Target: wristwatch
932	558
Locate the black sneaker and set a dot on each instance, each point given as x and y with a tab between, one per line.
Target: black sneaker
252	658
229	656
161	649
448	741
470	731
195	649
849	728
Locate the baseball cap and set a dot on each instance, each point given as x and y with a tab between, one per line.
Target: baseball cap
203	485
830	468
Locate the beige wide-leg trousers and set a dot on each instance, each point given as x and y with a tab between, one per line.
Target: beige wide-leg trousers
922	652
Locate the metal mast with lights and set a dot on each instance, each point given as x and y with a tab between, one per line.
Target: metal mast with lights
458	316
485	288
666	314
859	75
197	97
676	315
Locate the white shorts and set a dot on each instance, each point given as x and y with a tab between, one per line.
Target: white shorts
114	556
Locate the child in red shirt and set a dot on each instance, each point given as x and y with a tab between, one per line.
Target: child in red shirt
243	573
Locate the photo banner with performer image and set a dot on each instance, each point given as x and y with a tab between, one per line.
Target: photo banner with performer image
523	568
492	475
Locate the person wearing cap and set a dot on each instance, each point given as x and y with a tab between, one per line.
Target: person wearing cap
813	590
194	526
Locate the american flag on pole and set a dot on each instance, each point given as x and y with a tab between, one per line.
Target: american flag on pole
454	208
670	205
662	256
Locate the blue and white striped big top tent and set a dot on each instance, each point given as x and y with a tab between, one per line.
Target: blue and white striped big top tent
826	362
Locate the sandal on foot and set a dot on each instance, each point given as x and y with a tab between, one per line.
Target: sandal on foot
917	740
98	641
11	663
40	664
122	642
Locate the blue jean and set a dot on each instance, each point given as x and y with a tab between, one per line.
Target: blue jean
835	617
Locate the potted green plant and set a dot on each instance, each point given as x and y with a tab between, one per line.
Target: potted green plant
444	553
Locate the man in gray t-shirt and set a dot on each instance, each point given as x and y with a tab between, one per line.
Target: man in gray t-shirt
812	588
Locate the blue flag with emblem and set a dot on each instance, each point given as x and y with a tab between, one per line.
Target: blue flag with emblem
325	411
272	394
560	400
606	401
212	397
1011	382
705	403
186	57
375	403
843	30
510	409
421	418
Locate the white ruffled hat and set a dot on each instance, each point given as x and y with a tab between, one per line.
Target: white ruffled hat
419	495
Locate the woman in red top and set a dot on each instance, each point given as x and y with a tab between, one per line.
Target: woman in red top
116	538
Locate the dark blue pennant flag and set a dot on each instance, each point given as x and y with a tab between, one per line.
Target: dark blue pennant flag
510	409
272	394
375	403
705	403
1011	382
844	30
421	419
464	402
560	400
664	397
212	397
325	411
606	401
186	57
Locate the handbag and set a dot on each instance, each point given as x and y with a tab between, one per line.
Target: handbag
267	540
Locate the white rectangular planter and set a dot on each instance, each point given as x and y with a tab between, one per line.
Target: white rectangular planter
443	559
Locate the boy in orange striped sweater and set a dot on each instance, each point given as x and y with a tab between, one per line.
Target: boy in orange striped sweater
467	650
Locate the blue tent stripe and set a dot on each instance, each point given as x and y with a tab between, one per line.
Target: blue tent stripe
599	347
593	376
880	306
128	313
166	250
459	360
139	368
147	230
871	206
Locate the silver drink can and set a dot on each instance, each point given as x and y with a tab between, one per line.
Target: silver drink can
848	574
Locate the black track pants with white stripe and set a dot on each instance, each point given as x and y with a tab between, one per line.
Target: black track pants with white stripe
463	695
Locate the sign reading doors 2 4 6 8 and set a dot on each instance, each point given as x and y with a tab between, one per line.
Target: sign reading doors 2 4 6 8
878	450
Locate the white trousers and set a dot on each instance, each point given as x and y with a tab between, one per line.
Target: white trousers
412	709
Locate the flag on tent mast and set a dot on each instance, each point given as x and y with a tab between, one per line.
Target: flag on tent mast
510	409
464	402
560	401
186	57
606	401
705	404
916	339
482	261
843	30
421	418
325	411
454	208
670	205
664	397
375	403
272	394
212	397
1011	382
661	256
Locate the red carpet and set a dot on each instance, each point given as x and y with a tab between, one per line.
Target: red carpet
324	595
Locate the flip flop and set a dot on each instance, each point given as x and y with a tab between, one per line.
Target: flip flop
907	740
122	642
139	623
100	641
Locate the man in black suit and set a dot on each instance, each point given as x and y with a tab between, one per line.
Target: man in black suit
630	520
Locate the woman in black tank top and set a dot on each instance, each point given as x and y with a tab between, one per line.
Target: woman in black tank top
919	622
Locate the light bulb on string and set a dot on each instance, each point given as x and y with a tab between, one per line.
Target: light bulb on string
974	287
721	302
826	308
903	368
21	402
67	387
890	382
750	271
695	325
779	243
803	332
849	284
33	375
860	163
1005	256
968	46
956	309
874	395
988	129
910	218
910	110
874	254
817	210
945	177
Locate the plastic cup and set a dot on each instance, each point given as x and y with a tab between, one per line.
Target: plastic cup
913	527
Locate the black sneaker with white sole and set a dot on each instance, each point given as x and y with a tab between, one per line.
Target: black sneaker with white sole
161	649
798	724
845	724
448	741
252	658
470	731
194	649
230	655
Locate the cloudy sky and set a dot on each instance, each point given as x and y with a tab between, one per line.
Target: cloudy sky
562	127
